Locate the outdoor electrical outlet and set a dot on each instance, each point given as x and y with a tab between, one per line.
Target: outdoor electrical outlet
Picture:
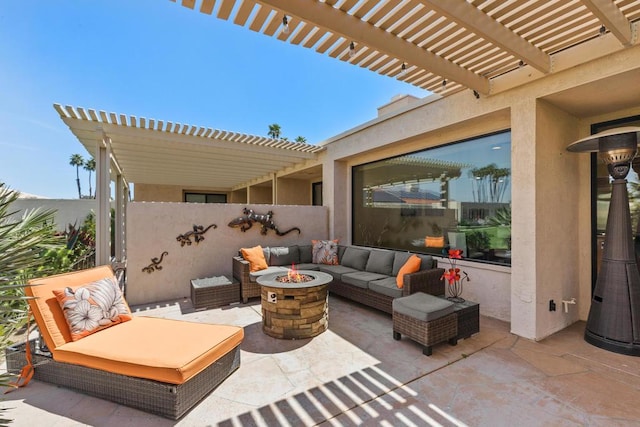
552	305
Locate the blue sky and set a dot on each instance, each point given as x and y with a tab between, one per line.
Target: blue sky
157	59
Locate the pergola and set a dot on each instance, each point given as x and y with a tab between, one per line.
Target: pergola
128	149
443	46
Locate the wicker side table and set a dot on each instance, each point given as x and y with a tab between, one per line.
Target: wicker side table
468	318
212	292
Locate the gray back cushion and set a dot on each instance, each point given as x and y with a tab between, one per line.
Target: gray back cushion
306	254
341	250
355	258
399	260
380	261
284	255
427	263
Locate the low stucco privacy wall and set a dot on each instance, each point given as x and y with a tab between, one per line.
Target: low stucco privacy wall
68	211
153	228
489	285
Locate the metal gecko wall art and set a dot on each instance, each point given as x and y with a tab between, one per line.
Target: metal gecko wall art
246	221
155	264
197	234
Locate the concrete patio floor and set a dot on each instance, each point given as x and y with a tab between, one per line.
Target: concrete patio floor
356	374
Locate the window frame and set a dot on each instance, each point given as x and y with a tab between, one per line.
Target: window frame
355	200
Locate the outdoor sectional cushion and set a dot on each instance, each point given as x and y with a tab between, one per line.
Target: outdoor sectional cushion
423	306
306	254
380	261
165	350
398	261
427	262
336	270
361	279
284	255
307	266
355	258
386	287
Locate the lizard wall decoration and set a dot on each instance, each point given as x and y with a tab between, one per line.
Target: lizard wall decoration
265	220
197	234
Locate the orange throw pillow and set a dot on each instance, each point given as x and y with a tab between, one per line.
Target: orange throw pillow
255	256
411	266
93	307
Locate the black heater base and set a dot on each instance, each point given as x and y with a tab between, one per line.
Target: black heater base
630	349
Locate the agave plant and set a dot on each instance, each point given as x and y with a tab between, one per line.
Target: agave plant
24	243
502	217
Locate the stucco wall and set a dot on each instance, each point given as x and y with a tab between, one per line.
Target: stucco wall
489	285
238	196
556	229
550	187
260	194
168	193
293	191
68	211
152	228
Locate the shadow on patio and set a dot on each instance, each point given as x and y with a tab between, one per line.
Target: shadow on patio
355	373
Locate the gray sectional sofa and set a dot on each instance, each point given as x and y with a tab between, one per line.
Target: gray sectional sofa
365	275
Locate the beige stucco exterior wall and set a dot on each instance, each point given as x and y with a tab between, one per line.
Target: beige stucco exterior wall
293	191
260	195
550	187
238	196
168	193
67	211
152	228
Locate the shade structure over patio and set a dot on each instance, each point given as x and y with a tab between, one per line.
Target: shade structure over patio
443	46
130	149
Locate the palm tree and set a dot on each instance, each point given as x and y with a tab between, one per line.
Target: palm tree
77	161
301	139
274	131
23	247
90	166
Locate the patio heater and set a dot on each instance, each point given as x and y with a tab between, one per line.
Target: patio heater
614	316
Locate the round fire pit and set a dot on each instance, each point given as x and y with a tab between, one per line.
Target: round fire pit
294	309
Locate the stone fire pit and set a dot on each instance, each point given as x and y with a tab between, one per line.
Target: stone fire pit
294	310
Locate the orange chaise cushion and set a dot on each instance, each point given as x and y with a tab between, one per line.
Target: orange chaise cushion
166	350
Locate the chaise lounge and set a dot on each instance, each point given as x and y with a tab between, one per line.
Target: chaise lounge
162	366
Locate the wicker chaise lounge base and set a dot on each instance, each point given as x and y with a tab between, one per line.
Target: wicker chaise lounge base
164	399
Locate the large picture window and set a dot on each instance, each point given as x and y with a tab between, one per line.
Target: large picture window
453	196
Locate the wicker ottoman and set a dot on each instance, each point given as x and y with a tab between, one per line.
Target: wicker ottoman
426	319
212	292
